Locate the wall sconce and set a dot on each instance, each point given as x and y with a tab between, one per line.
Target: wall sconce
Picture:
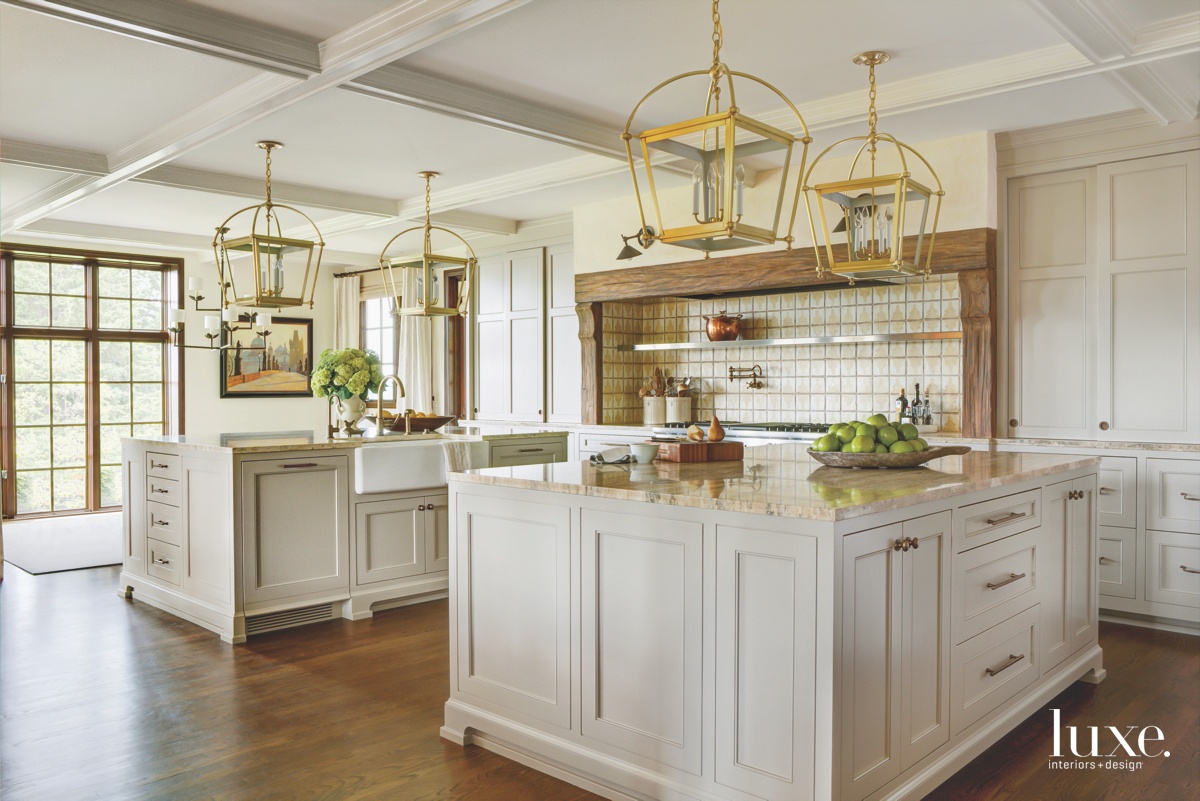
644	237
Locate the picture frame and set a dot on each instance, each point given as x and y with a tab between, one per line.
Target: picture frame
281	371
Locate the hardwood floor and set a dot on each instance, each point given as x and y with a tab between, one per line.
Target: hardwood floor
102	698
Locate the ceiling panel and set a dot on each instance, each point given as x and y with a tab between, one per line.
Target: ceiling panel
314	19
20	182
343	140
70	85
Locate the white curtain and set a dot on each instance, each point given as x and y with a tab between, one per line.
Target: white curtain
346	298
416	352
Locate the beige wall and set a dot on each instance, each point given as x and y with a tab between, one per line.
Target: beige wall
966	164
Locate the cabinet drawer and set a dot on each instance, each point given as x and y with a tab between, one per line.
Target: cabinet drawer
594	443
162	561
994	582
1172	562
529	453
162	465
993	667
1173	495
1116	494
1117	554
164	523
992	520
163	490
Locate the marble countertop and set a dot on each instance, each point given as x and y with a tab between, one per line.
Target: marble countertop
782	480
253	442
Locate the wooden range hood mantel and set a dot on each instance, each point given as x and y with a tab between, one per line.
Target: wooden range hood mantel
970	253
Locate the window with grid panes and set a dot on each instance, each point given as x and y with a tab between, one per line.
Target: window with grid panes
381	334
86	361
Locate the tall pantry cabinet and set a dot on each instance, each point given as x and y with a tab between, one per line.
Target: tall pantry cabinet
1104	302
527	365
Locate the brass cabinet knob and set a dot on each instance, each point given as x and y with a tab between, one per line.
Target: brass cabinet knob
913	543
1104	425
421	508
1013	422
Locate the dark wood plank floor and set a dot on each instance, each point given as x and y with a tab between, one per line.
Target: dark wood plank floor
106	699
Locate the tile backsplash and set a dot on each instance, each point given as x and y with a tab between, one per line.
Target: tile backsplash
804	383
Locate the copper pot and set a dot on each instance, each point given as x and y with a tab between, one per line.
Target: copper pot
721	327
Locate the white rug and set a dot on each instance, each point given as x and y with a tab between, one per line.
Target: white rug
48	545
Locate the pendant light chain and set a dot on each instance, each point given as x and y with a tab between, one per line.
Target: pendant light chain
872	117
718	36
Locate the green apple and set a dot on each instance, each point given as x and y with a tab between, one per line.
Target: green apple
909	431
880	447
919	444
865	430
846	433
862	444
833	429
829	442
887	435
900	447
877	420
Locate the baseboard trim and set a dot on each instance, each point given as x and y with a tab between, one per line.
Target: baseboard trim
1151	622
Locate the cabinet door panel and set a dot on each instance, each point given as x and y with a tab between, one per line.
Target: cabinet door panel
525	364
295	527
1171	560
642	628
209	558
1117	562
389	539
1082	589
514	615
1116	493
1053	574
1052	357
766	663
871	660
1171	491
437	533
491	388
925	657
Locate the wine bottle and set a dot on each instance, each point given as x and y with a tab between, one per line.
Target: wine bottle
901	407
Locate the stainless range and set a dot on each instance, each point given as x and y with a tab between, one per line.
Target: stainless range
754	433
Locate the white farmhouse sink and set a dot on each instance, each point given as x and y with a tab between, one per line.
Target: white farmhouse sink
396	466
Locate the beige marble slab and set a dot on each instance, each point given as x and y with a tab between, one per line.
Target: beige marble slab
1174	447
782	480
283	441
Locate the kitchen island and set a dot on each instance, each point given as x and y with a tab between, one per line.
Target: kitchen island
768	628
244	533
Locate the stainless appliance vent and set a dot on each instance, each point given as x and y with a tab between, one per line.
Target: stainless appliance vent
288	618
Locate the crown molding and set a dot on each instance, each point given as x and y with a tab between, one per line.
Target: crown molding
1084	142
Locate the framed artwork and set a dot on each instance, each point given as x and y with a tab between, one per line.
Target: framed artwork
270	362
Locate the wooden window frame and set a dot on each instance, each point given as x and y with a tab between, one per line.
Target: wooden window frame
92	336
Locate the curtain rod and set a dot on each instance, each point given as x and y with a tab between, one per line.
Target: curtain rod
356	272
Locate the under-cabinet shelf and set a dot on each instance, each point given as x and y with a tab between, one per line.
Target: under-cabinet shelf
848	339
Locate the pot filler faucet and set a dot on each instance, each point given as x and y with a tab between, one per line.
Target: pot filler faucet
400	393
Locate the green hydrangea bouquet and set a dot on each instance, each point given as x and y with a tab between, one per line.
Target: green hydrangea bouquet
346	372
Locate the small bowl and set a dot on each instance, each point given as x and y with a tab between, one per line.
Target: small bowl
644	452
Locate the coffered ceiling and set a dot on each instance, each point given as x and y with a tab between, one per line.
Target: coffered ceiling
133	122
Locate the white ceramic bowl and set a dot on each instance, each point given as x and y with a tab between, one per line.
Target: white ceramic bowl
644	452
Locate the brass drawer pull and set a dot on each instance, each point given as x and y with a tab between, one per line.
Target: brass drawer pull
1012	660
306	464
530	450
1011	578
1006	518
160	491
1104	560
161	523
1187	497
1107	490
1187	569
158	560
156	465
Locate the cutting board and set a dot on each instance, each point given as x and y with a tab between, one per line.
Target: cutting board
700	451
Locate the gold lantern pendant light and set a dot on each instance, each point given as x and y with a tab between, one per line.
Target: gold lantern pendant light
874	209
418	286
282	270
715	150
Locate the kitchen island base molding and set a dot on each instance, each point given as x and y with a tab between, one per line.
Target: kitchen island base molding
621	781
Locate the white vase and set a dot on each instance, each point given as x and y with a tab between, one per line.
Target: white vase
654	411
679	410
350	410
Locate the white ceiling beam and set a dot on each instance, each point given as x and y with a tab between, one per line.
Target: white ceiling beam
49	157
115	235
389	36
1097	29
474	221
191	27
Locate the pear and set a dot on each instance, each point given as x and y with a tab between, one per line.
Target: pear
695	433
715	432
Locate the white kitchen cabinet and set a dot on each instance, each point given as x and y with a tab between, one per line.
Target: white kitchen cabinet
766	665
295	527
642	621
437	533
1104	302
1173	568
1068	580
1116	491
1173	495
400	537
895	650
1116	555
527	362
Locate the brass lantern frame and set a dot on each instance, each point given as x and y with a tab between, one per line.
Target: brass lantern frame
884	254
721	228
263	245
426	304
